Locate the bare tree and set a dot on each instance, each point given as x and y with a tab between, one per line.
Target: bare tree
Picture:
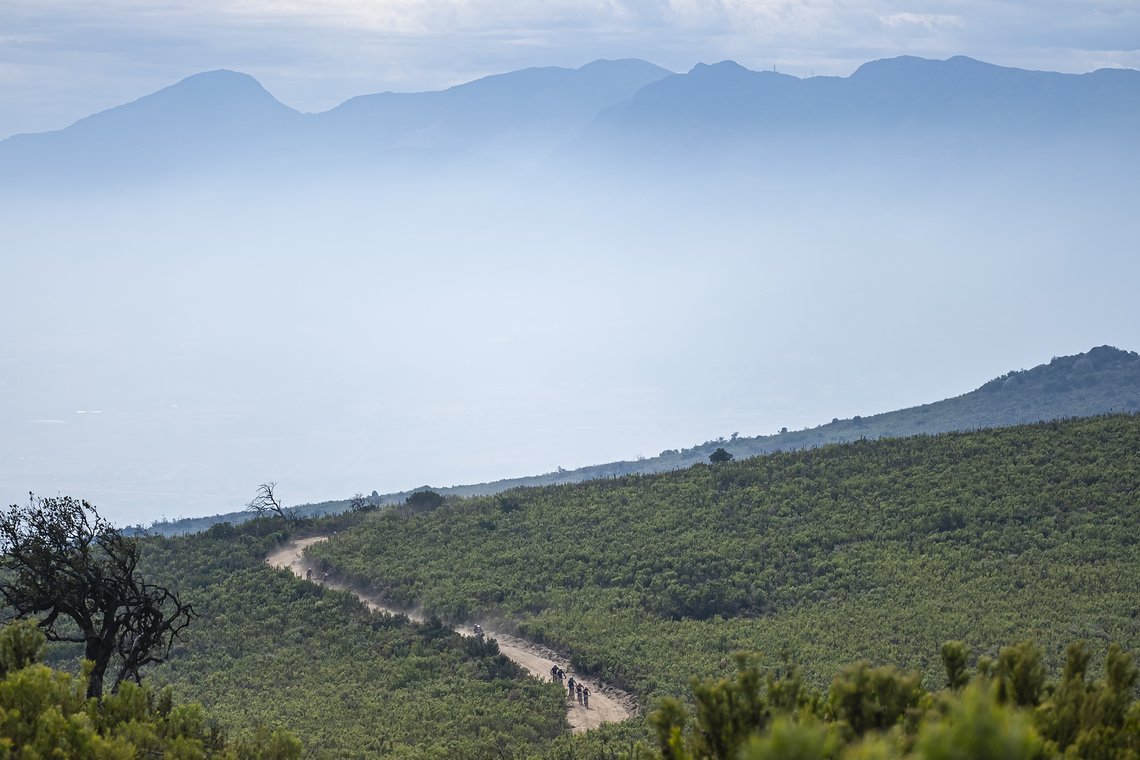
60	560
266	504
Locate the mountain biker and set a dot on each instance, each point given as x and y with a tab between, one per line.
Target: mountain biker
579	693
309	574
586	697
570	686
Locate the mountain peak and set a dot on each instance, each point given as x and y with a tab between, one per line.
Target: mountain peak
634	64
218	76
721	67
217	89
907	69
1067	372
902	64
203	101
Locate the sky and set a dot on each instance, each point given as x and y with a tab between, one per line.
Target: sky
61	60
165	354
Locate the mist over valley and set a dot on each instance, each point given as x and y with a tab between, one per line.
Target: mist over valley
550	268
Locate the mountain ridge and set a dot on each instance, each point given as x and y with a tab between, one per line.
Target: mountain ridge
227	122
225	115
614	110
892	95
1102	380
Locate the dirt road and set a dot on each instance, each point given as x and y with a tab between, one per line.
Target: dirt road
607	704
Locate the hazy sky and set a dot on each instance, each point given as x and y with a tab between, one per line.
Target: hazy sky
165	354
61	59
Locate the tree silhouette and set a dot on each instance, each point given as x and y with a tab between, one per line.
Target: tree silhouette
719	456
62	561
423	501
266	503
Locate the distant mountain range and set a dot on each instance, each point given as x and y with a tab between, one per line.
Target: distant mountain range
1103	380
894	97
223	123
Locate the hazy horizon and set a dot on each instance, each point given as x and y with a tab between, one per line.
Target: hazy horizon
343	343
210	291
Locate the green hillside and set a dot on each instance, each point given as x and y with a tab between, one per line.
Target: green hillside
877	549
270	649
1103	380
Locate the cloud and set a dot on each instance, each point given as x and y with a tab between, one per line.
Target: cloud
928	20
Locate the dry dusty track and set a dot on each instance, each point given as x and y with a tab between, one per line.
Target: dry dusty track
607	704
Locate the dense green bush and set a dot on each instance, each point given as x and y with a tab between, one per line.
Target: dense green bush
45	713
884	714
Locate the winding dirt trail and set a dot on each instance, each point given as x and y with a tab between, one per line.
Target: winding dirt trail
607	704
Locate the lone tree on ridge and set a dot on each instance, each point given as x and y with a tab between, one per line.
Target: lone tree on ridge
719	456
266	504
